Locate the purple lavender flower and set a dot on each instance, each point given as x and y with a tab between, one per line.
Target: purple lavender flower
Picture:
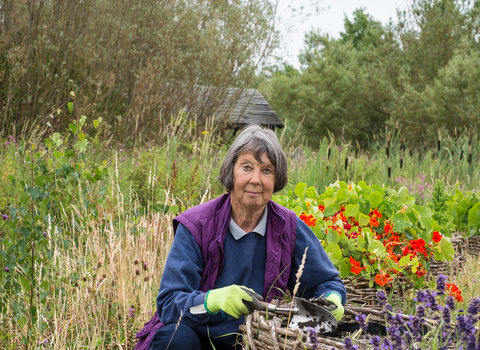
349	344
474	307
441	281
381	297
313	337
361	322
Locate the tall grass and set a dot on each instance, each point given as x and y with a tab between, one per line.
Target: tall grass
103	284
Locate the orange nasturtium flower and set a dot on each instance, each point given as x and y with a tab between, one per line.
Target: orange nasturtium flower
382	279
454	291
355	268
437	237
374	222
388	228
377	213
321	207
308	219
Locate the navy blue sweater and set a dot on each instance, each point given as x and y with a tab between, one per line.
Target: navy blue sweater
244	265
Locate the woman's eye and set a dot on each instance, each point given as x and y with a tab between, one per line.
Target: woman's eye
246	167
268	171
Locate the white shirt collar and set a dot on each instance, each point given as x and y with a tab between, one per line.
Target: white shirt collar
261	228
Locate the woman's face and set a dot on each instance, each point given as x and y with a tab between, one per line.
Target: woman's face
253	182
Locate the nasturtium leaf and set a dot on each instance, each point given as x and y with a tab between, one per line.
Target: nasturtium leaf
332	235
401	197
311	193
363	219
363	185
405	260
334	252
444	251
343	184
378	188
351	210
344	267
375	198
424	217
331	209
341	195
377	248
361	242
400	222
298	210
300	190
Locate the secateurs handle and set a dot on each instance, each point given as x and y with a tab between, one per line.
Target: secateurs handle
258	304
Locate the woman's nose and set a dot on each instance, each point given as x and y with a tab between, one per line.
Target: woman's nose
255	178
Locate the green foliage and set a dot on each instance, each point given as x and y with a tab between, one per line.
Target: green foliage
418	74
44	191
134	61
369	230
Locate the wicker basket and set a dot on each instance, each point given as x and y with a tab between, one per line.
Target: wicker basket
473	245
360	293
262	332
454	266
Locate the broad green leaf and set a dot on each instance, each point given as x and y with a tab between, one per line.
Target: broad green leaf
331	209
298	210
425	216
363	219
25	282
377	248
344	267
174	209
351	210
405	260
332	235
73	128
82	145
400	222
72	93
378	188
70	107
82	120
334	252
474	216
342	195
401	197
444	251
300	190
375	198
311	193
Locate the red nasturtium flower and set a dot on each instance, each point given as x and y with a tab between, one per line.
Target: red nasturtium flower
382	279
376	213
454	291
308	219
437	237
388	228
321	207
374	222
355	268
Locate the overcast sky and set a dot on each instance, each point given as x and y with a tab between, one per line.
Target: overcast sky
331	20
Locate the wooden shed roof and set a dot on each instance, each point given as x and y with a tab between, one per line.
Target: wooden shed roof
251	108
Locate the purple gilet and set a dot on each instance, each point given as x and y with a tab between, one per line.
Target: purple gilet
208	223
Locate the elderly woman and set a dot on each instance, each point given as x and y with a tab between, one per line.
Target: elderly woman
232	246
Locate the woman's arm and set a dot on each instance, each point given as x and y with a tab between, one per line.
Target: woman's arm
319	277
181	280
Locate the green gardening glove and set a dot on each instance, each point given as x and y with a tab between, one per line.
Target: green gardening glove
339	311
231	300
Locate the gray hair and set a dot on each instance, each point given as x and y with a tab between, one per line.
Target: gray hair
257	140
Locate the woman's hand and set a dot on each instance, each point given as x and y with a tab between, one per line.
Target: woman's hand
339	311
230	300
